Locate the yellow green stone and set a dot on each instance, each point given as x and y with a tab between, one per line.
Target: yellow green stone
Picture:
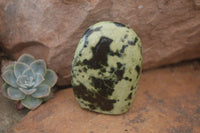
106	68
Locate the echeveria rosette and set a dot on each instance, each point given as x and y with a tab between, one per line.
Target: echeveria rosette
29	81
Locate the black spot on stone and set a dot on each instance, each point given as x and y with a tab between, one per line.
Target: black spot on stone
79	70
80	54
133	42
126	78
119	65
119	24
100	52
112	69
77	63
103	70
130	79
123	48
129	104
137	68
91	106
93	97
104	87
87	34
115	53
85	61
90	31
122	40
132	88
85	69
129	97
100	73
119	73
85	45
125	36
98	28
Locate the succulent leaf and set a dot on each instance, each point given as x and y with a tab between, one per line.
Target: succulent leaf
19	68
9	78
50	78
15	94
39	66
48	97
5	90
29	73
27	91
26	58
9	67
42	91
31	102
38	79
20	81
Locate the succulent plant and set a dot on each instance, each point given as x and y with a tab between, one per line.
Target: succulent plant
29	81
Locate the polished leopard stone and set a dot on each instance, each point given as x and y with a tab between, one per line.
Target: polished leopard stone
106	68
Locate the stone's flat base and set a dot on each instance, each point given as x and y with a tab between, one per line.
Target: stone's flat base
167	101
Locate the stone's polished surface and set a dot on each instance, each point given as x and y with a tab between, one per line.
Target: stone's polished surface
167	102
106	68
